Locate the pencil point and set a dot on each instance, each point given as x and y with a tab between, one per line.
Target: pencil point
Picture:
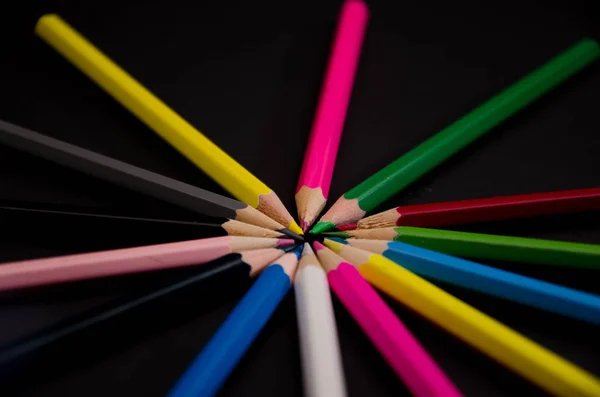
289	233
293	226
322	227
298	250
289	248
307	250
304	225
318	246
337	240
310	202
333	245
284	242
347	226
338	234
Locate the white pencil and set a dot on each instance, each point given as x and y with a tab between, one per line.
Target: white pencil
319	347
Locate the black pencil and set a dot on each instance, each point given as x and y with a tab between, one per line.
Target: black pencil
229	269
39	220
134	178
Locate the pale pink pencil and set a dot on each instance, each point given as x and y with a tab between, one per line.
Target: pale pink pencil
58	269
324	140
403	352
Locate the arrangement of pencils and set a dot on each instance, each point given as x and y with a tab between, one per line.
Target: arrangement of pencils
344	253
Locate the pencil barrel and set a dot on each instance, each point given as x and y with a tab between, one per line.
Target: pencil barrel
525	290
227	269
532	361
506	248
467	129
210	369
320	352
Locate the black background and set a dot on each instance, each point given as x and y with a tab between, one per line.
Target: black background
248	75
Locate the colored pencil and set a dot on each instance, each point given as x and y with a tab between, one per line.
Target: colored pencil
236	228
36	272
228	228
322	369
132	177
525	290
228	269
190	142
487	246
61	212
68	228
532	361
328	123
366	196
212	366
411	362
483	210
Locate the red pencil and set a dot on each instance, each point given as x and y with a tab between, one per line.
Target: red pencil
319	160
482	210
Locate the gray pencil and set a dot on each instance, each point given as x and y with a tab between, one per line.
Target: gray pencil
134	178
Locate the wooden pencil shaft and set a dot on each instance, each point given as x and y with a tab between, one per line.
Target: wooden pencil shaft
516	249
228	269
119	173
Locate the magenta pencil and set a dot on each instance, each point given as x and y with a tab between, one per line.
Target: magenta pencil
59	269
403	352
328	123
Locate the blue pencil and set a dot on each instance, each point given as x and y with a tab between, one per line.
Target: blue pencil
526	290
210	369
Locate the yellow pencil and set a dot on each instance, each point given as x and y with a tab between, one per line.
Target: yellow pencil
162	119
532	361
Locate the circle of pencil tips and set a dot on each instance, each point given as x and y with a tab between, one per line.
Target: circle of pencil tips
398	252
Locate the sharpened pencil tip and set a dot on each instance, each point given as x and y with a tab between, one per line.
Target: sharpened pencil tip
322	227
304	225
318	246
347	226
298	250
333	245
337	240
293	226
338	234
289	248
284	242
289	233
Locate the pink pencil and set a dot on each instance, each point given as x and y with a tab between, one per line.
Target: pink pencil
319	159
59	269
411	362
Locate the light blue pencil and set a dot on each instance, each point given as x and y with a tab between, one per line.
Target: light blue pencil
526	290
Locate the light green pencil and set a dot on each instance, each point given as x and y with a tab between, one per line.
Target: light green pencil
486	246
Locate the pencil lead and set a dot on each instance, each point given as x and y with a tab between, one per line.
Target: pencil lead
336	239
322	227
347	226
338	234
305	226
291	234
